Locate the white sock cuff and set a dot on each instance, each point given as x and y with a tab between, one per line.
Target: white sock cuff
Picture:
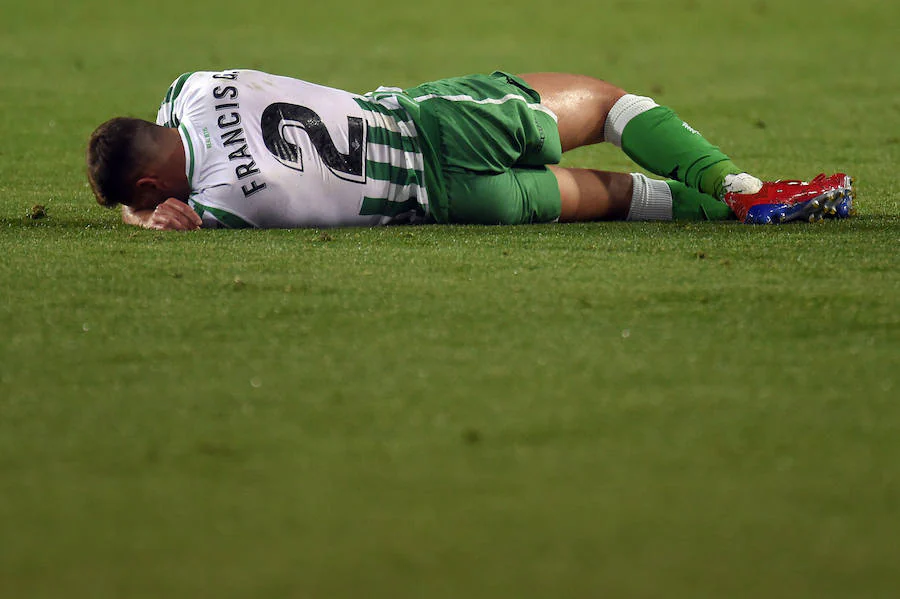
650	200
741	183
625	109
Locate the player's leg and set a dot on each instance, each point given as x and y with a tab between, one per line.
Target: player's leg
494	151
541	194
591	110
587	195
581	104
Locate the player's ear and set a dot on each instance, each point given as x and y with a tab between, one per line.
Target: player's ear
148	193
148	183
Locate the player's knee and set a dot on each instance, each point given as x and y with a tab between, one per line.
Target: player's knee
606	94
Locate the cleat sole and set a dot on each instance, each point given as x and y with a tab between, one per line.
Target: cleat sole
833	203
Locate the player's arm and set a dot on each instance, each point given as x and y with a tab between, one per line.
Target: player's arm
171	215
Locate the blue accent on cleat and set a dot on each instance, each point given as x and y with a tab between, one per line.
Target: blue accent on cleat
836	203
767	214
844	207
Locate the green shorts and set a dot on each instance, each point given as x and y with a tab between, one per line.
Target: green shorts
487	141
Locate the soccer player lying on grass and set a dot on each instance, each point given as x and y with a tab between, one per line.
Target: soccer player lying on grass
242	148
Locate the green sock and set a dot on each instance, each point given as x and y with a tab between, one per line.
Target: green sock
665	145
690	204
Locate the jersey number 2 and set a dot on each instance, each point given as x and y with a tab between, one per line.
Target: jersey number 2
280	118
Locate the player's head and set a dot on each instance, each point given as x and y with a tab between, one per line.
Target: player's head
134	162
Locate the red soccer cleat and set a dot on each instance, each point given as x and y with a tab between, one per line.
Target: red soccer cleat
785	201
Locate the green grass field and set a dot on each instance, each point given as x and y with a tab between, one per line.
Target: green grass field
616	410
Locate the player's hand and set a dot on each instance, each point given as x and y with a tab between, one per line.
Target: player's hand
174	215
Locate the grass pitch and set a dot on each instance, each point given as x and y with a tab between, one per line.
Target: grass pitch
626	410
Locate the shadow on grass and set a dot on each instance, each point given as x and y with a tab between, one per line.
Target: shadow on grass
868	222
50	222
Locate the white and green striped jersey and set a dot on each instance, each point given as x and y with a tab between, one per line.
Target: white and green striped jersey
274	152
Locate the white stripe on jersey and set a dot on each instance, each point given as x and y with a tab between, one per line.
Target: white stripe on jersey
390	102
393	156
387	154
407	191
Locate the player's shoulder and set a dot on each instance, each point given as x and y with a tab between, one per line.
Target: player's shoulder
177	86
183	96
191	80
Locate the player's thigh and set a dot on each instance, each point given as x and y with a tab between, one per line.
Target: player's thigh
580	103
513	197
488	123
